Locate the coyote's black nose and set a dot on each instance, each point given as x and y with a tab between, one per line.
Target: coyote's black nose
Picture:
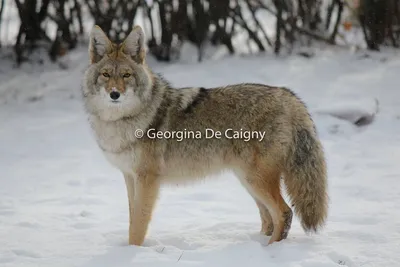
114	95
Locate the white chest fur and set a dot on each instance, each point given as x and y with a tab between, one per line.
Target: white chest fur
125	161
118	141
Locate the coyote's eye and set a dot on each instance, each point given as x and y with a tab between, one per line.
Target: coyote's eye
105	74
126	75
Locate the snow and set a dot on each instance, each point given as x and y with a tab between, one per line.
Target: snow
62	204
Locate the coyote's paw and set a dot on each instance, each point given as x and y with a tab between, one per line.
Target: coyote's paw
267	229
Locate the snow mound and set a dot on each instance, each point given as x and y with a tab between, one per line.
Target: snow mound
355	112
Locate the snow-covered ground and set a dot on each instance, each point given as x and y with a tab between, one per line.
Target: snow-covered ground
62	204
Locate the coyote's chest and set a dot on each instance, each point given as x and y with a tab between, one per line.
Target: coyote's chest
118	143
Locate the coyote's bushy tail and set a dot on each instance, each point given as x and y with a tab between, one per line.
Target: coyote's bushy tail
306	179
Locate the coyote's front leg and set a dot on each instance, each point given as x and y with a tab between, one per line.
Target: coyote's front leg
130	186
145	196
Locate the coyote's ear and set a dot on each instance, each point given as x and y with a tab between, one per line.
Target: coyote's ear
134	45
99	44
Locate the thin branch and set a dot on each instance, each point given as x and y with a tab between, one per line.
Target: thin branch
180	255
2	3
253	14
338	19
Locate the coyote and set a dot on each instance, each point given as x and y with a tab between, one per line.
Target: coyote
134	112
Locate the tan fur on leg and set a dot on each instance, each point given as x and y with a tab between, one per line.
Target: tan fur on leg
146	193
264	185
267	226
130	186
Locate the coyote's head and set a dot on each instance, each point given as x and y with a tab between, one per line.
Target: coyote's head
117	82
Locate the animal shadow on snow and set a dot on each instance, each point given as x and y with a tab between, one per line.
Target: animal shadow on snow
221	244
